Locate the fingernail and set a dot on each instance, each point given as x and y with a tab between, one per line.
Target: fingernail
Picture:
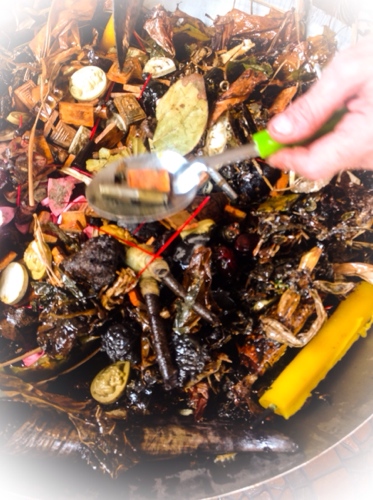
282	125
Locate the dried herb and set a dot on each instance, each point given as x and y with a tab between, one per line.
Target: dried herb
182	115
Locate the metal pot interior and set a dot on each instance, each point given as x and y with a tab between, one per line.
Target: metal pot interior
342	402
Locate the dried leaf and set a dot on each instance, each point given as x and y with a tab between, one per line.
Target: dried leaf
282	100
62	26
182	115
238	92
159	28
237	22
59	193
361	269
18	390
197	282
194	27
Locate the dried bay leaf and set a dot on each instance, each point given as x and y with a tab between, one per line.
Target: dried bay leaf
182	115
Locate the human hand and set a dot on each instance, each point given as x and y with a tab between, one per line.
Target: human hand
346	82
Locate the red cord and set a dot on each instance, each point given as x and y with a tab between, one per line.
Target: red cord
176	233
94	130
18	200
166	244
148	78
106	98
137	229
126	242
139	41
109	91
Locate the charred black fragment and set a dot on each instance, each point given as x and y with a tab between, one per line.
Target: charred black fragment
190	356
152	92
121	342
96	263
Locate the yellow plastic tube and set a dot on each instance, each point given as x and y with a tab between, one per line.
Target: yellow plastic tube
293	386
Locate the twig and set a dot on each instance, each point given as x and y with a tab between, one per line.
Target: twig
179	290
176	233
37	350
150	292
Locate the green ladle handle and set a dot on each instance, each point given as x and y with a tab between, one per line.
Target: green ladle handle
266	146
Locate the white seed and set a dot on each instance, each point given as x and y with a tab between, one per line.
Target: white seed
13	283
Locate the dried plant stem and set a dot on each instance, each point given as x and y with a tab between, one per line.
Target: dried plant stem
72	368
30	149
257	166
150	292
178	290
38	234
37	350
30	154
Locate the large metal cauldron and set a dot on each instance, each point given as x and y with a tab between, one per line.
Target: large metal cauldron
317	427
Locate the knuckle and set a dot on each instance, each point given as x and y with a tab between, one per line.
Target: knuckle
302	111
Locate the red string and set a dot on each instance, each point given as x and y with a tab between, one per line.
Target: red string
176	233
137	229
106	97
18	200
148	78
139	41
109	91
166	244
126	242
94	130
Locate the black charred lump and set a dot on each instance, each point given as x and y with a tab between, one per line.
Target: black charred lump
120	342
152	92
17	324
213	79
58	338
96	263
191	357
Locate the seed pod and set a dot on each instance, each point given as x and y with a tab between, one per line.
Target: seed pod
37	258
109	384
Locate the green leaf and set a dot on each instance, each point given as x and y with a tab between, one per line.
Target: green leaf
235	68
192	31
182	115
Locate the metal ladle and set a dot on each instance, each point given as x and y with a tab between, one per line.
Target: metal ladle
112	198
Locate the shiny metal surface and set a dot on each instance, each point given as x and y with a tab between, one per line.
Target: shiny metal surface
185	181
184	187
341	404
344	401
